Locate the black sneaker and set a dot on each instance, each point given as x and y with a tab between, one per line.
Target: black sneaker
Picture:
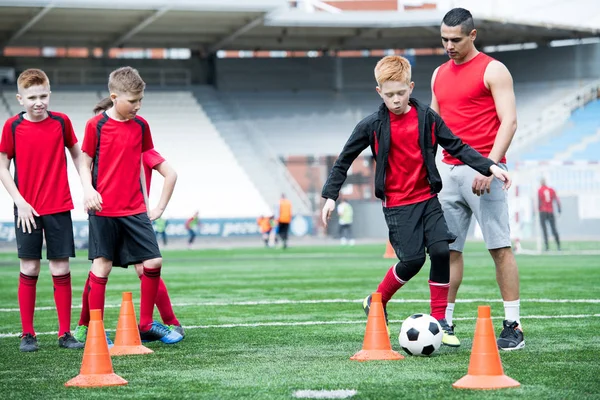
511	337
28	343
367	307
67	341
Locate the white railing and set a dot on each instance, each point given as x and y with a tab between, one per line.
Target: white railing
555	116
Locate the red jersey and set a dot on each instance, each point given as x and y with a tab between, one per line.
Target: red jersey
116	148
38	151
151	159
546	197
466	105
405	176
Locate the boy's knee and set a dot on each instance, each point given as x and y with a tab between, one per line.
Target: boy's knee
439	253
405	270
30	266
59	267
153	263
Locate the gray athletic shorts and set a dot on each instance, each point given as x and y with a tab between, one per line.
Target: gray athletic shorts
459	204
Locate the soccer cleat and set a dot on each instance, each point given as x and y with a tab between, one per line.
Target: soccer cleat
178	329
511	337
80	333
367	307
67	341
448	337
28	343
160	332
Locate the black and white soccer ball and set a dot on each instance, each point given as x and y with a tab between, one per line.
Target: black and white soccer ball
420	335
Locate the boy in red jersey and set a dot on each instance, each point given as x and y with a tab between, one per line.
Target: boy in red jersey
546	199
474	94
403	136
152	160
112	174
42	197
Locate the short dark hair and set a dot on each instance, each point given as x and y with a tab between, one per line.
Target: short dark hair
460	16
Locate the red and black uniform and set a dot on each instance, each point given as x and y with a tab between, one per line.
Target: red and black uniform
407	180
121	231
38	152
546	199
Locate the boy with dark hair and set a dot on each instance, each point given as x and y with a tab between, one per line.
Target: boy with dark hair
115	196
403	136
42	197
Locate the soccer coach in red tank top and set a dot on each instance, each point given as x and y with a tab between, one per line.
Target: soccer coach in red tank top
474	95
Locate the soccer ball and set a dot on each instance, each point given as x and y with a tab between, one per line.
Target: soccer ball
420	335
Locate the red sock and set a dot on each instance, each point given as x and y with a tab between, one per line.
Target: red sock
150	281
97	293
439	299
27	286
389	285
163	303
84	317
63	295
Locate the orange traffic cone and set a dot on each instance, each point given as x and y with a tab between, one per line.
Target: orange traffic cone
127	339
96	367
376	345
389	251
485	367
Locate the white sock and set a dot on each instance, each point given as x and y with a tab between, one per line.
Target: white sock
449	313
512	311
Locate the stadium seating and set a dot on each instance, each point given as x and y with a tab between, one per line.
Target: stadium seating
578	140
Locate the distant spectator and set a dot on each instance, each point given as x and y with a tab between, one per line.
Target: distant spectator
191	225
264	225
285	218
346	218
546	199
160	228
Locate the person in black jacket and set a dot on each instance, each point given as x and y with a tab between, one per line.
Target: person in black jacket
403	136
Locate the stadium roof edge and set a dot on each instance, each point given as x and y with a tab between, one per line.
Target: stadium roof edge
192	5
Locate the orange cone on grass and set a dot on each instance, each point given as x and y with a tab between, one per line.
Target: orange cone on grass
376	345
96	367
127	339
485	368
389	251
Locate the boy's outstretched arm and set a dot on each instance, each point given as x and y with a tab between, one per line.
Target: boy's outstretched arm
25	212
358	141
170	175
465	153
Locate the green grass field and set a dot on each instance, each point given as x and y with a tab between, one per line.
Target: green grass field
262	324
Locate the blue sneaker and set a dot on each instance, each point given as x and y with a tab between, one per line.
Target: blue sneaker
108	341
160	332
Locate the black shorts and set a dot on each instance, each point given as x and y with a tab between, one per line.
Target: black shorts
416	226
57	229
123	240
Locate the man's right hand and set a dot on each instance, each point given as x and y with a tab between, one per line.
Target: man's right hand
327	210
25	217
92	200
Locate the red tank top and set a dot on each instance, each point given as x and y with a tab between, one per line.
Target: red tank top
466	105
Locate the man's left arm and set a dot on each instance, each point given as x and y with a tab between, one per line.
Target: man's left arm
498	79
500	82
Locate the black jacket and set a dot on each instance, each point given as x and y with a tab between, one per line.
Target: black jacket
374	132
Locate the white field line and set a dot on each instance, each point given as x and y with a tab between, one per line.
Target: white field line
313	323
321	301
324	394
